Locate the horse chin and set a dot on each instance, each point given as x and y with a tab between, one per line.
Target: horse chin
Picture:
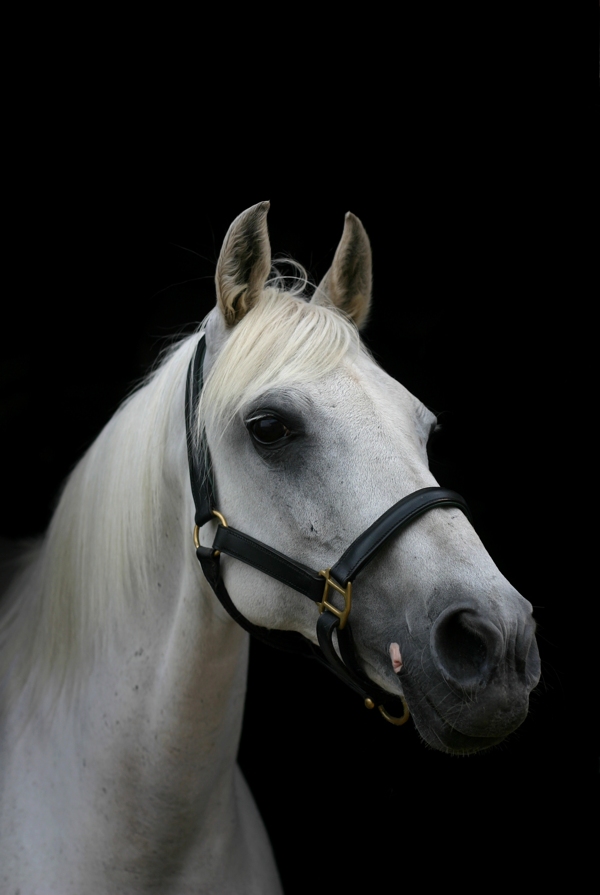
443	736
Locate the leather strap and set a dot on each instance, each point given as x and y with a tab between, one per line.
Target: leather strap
200	465
292	641
362	550
289	571
409	508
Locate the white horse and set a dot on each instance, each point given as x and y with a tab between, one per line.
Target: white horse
122	676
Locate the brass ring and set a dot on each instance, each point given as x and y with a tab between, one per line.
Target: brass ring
221	519
397	721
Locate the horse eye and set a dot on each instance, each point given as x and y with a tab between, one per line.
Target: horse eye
268	430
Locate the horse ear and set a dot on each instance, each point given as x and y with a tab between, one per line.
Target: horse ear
244	263
347	283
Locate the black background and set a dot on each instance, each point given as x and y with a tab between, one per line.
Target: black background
111	254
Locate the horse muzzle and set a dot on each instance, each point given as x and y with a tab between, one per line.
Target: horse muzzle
467	680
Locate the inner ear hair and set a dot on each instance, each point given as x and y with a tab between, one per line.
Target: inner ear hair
348	282
244	263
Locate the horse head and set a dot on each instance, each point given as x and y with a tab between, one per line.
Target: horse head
311	442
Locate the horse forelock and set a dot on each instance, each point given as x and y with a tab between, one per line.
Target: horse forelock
282	341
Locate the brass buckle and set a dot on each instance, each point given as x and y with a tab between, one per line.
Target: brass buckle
221	519
346	592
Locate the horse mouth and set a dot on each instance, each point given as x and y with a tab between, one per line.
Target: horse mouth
444	736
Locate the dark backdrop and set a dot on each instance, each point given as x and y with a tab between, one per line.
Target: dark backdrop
102	275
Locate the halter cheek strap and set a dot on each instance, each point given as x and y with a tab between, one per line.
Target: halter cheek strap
330	588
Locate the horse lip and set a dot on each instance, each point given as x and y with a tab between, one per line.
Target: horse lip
440	733
451	739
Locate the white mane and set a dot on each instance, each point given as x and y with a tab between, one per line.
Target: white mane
102	545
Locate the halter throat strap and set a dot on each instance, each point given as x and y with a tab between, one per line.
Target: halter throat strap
330	588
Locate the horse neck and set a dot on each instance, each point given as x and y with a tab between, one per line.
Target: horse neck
124	626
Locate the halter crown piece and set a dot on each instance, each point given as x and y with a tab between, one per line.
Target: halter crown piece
321	586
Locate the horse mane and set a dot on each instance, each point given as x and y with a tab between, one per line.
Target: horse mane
97	554
101	547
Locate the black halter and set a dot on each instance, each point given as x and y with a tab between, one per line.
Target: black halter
327	587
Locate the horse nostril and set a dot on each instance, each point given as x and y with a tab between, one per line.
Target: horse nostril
466	647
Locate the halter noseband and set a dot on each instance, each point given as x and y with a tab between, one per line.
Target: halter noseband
322	586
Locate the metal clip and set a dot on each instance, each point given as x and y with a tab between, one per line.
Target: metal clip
346	592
